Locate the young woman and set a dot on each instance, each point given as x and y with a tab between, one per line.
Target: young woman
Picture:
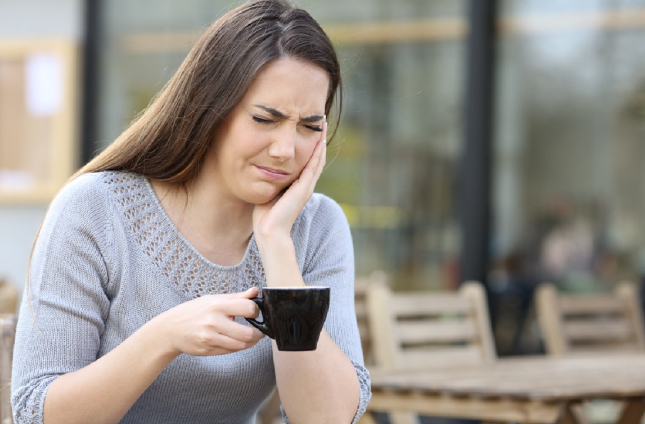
142	272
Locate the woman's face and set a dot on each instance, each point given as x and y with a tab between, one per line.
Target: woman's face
266	141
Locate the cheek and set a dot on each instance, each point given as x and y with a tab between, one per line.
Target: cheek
247	142
305	150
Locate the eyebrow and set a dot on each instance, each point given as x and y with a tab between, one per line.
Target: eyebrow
278	114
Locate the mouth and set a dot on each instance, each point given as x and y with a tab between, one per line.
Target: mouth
271	173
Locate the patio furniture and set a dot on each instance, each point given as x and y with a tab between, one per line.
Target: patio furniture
7	336
430	329
579	324
427	330
582	324
9	297
532	389
362	286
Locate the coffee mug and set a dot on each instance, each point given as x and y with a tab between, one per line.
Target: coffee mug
292	316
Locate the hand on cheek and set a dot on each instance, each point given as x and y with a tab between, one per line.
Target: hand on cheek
279	215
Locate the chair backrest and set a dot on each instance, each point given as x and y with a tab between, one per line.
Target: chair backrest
580	323
7	336
361	287
430	329
8	297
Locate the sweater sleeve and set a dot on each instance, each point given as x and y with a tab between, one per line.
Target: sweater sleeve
64	307
329	261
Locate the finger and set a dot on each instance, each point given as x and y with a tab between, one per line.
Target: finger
321	159
247	294
323	148
308	174
219	343
323	135
244	308
237	331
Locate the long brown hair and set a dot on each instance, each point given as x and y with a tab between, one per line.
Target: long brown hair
169	140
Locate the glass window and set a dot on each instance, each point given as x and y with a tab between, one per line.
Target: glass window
569	152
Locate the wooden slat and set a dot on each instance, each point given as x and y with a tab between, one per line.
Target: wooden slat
597	305
435	331
475	293
618	349
425	304
550	319
538	378
628	292
361	287
618	329
425	357
381	324
499	410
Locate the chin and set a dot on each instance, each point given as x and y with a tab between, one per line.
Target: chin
261	198
259	194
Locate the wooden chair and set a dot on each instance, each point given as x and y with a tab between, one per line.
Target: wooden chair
8	308
362	286
581	324
7	335
574	324
429	329
8	297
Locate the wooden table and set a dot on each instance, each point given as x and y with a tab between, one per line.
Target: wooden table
536	389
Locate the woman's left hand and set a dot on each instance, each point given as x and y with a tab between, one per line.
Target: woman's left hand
277	216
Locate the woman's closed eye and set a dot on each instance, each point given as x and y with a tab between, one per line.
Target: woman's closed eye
262	120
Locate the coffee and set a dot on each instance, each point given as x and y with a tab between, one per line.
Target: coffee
292	316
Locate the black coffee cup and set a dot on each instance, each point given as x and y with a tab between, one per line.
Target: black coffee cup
292	316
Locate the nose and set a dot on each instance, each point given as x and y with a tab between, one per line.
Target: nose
283	145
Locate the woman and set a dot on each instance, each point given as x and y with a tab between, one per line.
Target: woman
142	272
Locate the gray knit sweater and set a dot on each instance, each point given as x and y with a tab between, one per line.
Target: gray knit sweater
108	259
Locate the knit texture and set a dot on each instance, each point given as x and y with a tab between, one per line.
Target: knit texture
108	259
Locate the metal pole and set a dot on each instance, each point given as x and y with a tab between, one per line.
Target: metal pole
91	76
475	189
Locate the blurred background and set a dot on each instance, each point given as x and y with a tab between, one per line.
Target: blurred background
497	141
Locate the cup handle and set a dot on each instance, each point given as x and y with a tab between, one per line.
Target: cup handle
262	326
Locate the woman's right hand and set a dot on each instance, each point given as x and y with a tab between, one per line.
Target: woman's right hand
114	382
206	326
